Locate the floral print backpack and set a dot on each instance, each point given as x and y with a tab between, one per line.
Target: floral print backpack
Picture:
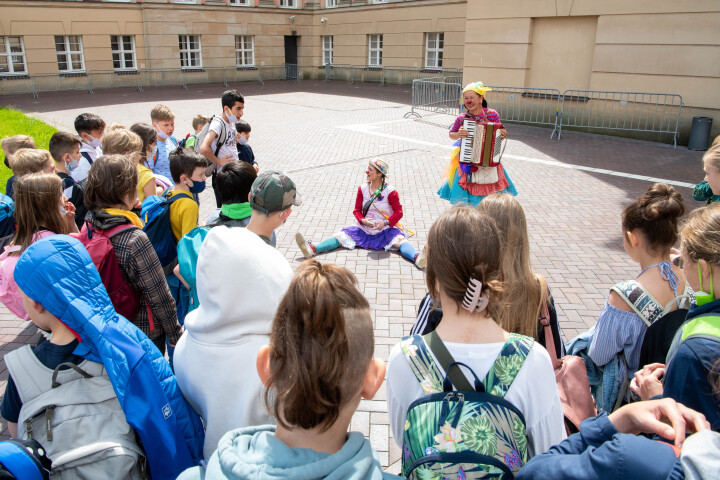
464	434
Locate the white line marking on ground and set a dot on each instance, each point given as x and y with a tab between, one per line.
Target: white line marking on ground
368	129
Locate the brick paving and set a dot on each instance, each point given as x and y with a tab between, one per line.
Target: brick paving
323	135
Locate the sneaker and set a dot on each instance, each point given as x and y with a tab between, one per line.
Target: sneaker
307	248
421	260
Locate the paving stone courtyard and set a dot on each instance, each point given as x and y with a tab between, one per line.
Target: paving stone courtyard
322	135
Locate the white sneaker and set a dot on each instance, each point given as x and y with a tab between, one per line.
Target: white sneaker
306	247
421	260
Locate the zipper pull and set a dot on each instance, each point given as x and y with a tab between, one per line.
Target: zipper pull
48	418
28	428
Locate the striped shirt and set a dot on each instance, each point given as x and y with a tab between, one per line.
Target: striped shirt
488	115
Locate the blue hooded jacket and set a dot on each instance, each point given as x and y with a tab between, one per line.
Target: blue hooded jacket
57	272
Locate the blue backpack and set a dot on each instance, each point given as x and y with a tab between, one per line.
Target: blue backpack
7	220
156	215
188	249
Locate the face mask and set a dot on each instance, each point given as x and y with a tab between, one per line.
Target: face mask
151	153
94	142
197	187
242	140
63	211
231	118
72	165
162	135
704	298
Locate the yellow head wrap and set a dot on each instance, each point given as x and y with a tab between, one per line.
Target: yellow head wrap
477	87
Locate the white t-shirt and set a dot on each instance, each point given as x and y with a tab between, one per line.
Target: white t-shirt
80	173
229	147
533	391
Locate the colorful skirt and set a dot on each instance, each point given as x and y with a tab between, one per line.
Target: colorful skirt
354	236
456	188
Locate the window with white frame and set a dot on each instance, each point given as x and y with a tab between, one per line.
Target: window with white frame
123	52
241	3
331	3
287	3
380	1
434	50
12	56
375	43
69	53
244	51
190	51
185	1
327	50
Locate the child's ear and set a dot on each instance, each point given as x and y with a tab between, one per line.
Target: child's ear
373	378
263	364
633	238
36	306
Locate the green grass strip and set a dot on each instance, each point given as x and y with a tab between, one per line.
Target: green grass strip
14	122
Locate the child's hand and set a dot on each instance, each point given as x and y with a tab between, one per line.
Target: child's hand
226	159
378	225
503	133
646	383
367	223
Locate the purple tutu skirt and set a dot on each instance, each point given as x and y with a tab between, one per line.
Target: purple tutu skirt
380	241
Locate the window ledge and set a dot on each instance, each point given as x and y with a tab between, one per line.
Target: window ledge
14	76
126	72
73	74
192	69
243	67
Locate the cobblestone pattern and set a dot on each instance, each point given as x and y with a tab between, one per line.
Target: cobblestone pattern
323	135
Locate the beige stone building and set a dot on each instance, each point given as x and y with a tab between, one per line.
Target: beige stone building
640	46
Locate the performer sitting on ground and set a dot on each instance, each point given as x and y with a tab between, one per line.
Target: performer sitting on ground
378	211
457	186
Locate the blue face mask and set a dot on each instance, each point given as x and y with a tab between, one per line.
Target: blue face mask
703	298
197	187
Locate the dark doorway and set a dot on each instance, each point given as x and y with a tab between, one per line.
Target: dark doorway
291	59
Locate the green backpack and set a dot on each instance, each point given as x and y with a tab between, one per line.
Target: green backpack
469	433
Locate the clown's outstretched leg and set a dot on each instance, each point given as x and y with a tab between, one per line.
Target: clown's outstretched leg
309	250
408	252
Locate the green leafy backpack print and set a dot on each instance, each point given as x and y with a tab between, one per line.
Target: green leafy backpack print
464	435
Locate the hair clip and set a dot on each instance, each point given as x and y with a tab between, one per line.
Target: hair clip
475	300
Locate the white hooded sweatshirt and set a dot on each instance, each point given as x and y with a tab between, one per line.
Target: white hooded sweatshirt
240	282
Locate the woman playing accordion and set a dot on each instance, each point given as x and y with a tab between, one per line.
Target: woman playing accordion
467	182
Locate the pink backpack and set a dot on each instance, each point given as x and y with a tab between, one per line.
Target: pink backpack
123	296
9	294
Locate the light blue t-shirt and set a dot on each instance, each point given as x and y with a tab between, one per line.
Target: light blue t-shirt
161	165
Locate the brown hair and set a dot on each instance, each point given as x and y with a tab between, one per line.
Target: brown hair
199	120
37	207
122	141
321	345
701	235
110	179
148	135
655	215
712	156
15	143
62	143
161	112
30	160
464	244
520	302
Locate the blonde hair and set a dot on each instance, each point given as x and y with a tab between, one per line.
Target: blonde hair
161	112
199	120
520	302
122	142
30	160
464	244
701	235
712	156
15	143
115	126
37	202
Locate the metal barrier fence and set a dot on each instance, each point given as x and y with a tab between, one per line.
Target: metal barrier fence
538	106
241	74
585	109
18	84
341	72
113	79
284	71
436	97
53	82
385	74
628	111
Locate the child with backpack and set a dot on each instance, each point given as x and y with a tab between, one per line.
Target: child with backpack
110	195
520	417
218	138
245	151
316	369
163	121
83	415
10	145
147	182
65	150
40	210
612	353
90	129
709	189
122	141
190	140
694	357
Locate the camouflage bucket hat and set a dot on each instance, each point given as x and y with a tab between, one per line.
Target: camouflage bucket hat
273	191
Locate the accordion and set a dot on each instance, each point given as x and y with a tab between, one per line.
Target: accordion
483	147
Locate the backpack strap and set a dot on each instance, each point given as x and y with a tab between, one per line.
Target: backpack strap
112	231
169	200
422	364
223	134
447	362
31	377
507	365
87	157
639	300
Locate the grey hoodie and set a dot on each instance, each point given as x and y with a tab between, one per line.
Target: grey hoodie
254	453
700	456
